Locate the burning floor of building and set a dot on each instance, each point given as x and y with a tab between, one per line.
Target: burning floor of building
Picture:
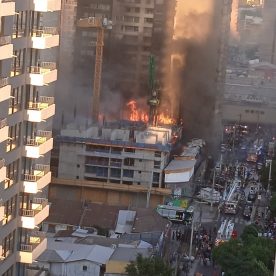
128	154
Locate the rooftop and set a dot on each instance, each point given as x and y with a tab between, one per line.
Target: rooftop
103	216
139	136
176	166
62	251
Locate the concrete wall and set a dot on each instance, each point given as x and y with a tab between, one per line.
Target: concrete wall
120	198
248	114
75	268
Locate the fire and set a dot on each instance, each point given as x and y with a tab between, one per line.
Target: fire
138	114
165	119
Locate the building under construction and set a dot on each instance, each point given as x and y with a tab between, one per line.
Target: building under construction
117	163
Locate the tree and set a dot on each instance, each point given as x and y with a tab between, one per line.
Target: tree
153	266
249	232
252	255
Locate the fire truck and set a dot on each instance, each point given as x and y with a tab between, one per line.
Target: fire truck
226	232
230	205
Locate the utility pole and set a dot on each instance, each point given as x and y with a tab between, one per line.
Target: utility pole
274	274
269	176
213	186
191	241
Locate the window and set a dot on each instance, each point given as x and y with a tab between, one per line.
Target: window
16	99
156	177
12	174
10	209
115	173
131	28
157	154
19	25
17	63
8	245
128	173
14	137
157	164
84	267
147	30
129	162
148	20
149	11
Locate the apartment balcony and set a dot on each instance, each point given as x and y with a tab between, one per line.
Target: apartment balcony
5	89
2	212
3	170
7	7
44	38
40	111
37	213
6	47
38	145
45	5
43	74
35	245
37	179
4	130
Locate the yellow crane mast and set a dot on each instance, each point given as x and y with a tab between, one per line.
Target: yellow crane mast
101	24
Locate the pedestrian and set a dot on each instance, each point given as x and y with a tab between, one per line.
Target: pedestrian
173	234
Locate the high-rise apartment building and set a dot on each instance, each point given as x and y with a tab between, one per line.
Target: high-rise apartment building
267	47
140	28
28	41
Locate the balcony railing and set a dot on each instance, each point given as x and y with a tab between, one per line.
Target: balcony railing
4	82
4	40
41	137
38	172
7	1
32	212
34	239
2	163
18	32
42	103
45	31
3	123
43	68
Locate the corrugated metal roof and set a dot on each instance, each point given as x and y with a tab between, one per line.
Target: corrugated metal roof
129	254
125	221
70	252
180	165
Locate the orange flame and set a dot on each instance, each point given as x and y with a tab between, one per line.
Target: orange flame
138	114
163	118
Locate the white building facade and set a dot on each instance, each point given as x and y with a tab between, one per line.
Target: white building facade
28	43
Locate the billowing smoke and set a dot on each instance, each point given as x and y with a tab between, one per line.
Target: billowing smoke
194	62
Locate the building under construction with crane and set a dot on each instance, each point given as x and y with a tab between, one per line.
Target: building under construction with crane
121	162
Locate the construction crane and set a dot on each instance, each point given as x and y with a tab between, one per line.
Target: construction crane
154	101
101	24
